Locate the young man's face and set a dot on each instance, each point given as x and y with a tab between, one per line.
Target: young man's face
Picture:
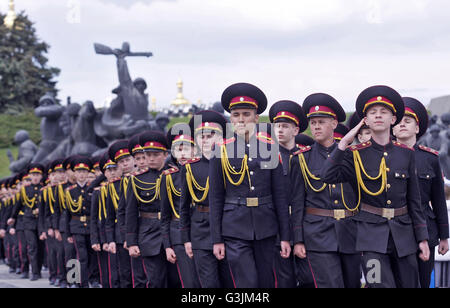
60	176
98	172
322	128
91	177
183	152
285	132
70	176
364	135
113	173
244	121
206	140
155	160
407	128
35	178
81	175
139	159
126	164
379	118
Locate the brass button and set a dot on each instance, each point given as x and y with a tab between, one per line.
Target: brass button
403	176
428	176
388	186
336	202
389	202
251	172
252	188
385	154
387	169
334	186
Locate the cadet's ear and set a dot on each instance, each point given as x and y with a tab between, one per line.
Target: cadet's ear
394	119
334	124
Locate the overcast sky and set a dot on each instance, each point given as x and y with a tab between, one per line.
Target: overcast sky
288	48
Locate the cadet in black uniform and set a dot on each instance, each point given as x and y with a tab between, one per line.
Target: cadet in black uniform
248	206
182	150
413	125
288	121
207	127
323	230
143	211
77	224
391	225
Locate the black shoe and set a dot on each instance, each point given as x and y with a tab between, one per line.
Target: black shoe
57	282
25	276
18	271
35	277
63	285
95	285
52	281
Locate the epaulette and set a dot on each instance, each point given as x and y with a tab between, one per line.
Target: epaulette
429	150
227	141
71	187
360	146
192	161
402	145
264	137
170	171
136	173
303	150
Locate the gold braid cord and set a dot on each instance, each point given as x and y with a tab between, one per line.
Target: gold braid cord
191	181
50	197
114	195
124	182
228	170
307	174
73	206
102	202
61	197
27	201
171	188
360	167
155	187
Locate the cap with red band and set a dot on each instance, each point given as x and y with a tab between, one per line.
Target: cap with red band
324	105
242	96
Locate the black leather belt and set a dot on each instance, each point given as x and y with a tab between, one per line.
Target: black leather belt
150	215
249	202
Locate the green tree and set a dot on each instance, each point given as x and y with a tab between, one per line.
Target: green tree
24	73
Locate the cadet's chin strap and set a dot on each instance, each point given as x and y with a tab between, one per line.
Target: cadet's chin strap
307	174
74	207
28	202
227	169
171	188
155	187
191	180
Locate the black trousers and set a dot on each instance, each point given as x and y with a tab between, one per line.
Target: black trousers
11	243
113	273
426	268
389	270
102	260
186	268
124	267
138	273
284	269
156	270
32	250
212	273
22	251
251	262
60	261
303	274
87	258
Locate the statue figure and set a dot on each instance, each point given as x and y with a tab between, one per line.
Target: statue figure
161	122
434	139
83	133
27	150
51	132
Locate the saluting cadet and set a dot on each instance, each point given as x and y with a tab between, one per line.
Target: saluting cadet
323	229
340	131
143	211
288	121
413	126
208	128
28	204
182	150
391	225
248	206
77	224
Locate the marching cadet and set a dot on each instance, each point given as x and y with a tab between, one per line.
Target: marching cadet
77	221
120	155
391	225
414	125
182	150
28	204
108	266
208	128
288	121
248	206
323	229
143	214
11	240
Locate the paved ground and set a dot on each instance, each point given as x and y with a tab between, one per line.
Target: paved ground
8	280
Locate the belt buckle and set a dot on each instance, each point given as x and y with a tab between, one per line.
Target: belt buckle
159	215
83	218
339	214
388	213
252	202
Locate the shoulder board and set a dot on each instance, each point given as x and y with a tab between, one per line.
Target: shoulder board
429	150
71	187
302	150
140	172
227	141
192	161
171	170
360	146
402	145
264	137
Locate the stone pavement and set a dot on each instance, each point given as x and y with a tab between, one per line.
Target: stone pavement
8	280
